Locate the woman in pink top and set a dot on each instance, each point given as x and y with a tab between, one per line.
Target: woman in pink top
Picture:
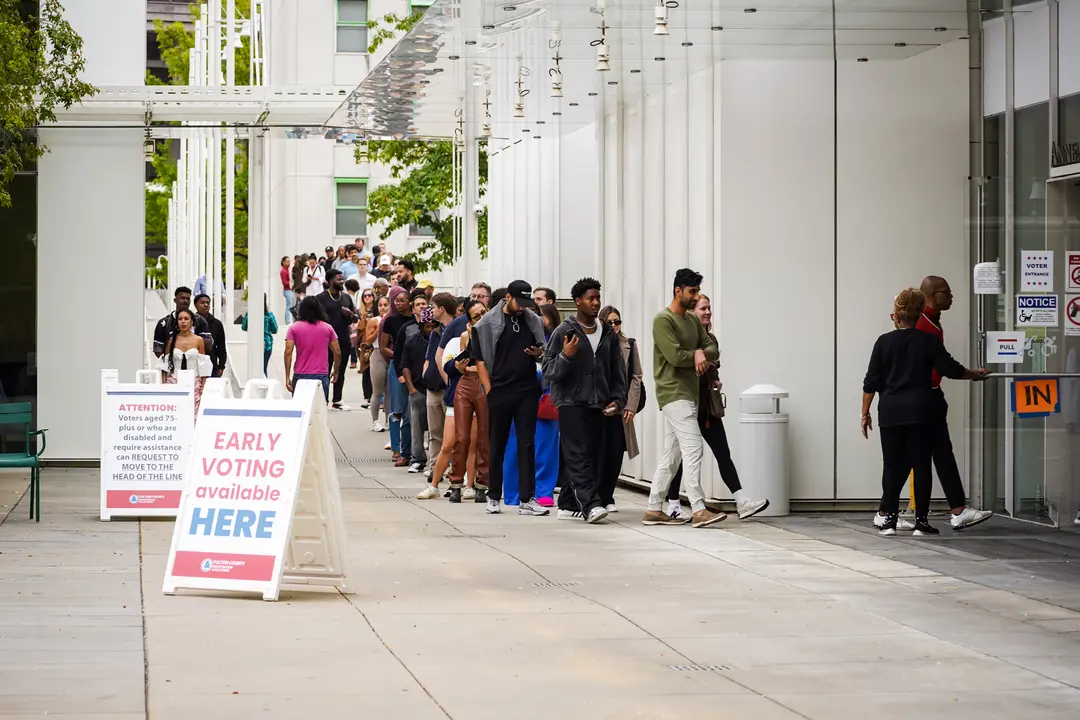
313	340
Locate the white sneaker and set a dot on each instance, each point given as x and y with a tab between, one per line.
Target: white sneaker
341	406
569	515
416	468
378	427
1077	520
969	518
596	515
429	493
677	511
901	523
749	508
387	446
494	507
532	508
468	493
611	508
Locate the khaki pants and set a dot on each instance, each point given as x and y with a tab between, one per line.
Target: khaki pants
436	417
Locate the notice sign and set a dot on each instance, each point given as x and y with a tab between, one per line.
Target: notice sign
1072	315
1072	272
1035	397
1005	347
145	439
1037	271
1037	310
241	488
987	279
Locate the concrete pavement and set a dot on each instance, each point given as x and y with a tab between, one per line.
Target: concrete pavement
461	615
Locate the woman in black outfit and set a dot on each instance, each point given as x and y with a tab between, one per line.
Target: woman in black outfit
900	368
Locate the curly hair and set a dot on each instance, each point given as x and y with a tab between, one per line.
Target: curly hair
908	306
584	285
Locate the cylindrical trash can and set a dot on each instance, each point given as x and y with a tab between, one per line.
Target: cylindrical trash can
764	462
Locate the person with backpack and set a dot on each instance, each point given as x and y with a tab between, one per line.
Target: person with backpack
620	437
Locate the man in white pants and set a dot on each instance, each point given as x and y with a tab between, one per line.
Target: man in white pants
682	353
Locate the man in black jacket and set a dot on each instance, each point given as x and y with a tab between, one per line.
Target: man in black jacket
584	366
340	313
218	352
167	325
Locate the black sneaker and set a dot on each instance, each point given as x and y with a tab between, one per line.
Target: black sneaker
455	495
446	494
481	496
888	528
922	527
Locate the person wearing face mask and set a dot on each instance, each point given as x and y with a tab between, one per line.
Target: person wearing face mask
712	431
507	342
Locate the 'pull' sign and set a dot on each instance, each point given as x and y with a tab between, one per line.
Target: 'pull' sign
1035	397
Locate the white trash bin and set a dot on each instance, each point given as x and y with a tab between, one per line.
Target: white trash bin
764	462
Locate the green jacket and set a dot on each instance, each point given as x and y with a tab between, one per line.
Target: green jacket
674	341
270	328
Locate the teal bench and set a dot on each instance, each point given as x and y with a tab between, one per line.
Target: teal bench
22	414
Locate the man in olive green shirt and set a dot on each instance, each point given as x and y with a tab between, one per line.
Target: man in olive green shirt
682	352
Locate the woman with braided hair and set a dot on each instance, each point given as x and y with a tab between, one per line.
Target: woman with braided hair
900	371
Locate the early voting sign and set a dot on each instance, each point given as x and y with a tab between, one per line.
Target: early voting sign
146	430
261	506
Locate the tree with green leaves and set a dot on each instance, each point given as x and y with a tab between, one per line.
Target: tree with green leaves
175	41
422	195
40	63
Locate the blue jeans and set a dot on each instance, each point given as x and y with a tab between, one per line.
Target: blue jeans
324	379
290	301
266	361
400	429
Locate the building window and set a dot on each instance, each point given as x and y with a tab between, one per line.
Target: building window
420	5
352	16
421	231
351	208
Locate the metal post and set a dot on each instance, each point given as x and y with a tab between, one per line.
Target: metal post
257	249
230	159
976	172
470	192
1010	238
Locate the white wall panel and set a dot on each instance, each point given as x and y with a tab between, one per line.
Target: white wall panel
1068	47
114	39
993	40
579	207
673	183
902	175
1031	27
777	245
660	268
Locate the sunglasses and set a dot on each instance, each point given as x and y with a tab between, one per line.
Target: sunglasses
614	323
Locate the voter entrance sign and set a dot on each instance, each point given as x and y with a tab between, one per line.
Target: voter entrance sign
261	507
146	430
1035	397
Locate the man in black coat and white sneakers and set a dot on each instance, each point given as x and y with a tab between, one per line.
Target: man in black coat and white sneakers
584	366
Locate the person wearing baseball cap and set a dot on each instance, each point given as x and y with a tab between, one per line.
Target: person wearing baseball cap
385	268
507	344
328	260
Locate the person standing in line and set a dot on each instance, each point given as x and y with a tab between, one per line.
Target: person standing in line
340	258
900	371
682	352
400	313
413	361
406	274
341	315
377	365
543	296
472	437
443	307
712	430
410	327
298	287
166	327
315	345
270	328
508	341
314	276
328	259
365	308
385	268
348	266
584	366
286	288
939	298
621	436
359	244
352	288
219	354
363	272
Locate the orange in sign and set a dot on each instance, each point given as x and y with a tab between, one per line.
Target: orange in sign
1035	397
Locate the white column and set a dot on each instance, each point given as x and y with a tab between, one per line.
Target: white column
258	145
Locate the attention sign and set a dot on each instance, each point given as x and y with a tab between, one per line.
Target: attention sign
1035	397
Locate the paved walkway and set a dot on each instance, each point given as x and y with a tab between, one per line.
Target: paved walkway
465	616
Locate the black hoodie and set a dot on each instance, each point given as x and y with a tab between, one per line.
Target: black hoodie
587	379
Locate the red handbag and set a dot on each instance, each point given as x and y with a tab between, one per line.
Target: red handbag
547	409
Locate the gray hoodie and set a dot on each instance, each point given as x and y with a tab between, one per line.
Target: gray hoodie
490	328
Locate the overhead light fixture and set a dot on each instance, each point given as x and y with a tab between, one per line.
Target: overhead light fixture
602	64
522	91
602	57
149	147
660	23
519	110
556	72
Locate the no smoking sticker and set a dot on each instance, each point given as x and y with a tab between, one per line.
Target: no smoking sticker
1072	272
1072	315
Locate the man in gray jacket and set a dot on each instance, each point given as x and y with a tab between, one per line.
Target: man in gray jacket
584	366
506	344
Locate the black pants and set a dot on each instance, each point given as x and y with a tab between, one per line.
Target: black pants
905	448
941	449
339	384
614	448
367	384
712	430
582	434
517	407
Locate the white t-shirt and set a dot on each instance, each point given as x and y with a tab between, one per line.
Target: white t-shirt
594	337
365	280
313	279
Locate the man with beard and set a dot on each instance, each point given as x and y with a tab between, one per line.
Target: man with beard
167	325
340	313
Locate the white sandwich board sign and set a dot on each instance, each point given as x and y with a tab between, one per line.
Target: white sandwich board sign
261	507
146	430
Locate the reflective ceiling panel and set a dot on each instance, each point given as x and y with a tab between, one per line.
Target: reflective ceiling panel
506	50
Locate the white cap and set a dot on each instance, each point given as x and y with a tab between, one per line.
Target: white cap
384	260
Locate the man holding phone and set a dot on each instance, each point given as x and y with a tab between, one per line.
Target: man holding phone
506	344
584	365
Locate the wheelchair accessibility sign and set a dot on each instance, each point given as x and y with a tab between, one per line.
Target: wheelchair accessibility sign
1037	311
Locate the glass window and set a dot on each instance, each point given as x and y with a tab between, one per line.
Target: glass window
421	230
352	18
351	208
1069	119
18	300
